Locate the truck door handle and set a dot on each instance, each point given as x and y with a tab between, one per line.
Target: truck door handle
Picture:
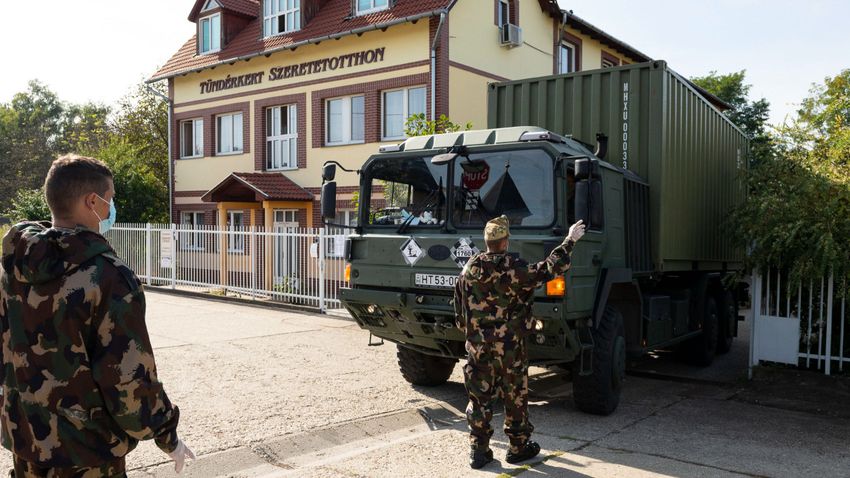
596	260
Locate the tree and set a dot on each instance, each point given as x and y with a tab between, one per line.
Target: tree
139	195
31	131
142	120
28	205
750	116
797	216
420	125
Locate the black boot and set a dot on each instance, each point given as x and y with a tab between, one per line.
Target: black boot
529	450
479	458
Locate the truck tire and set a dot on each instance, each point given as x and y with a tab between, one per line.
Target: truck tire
702	349
599	392
420	369
726	324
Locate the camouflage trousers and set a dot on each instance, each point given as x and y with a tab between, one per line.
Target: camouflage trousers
24	469
497	370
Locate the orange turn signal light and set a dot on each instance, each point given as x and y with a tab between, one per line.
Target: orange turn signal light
348	273
556	287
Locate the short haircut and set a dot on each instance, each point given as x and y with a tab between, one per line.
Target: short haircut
495	245
71	177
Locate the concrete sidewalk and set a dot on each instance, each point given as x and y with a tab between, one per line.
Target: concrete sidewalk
270	393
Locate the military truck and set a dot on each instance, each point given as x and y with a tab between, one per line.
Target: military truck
650	273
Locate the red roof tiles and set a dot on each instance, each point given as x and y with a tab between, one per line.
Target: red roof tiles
275	186
248	8
335	18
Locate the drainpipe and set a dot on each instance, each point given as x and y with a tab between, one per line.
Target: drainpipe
561	28
170	164
434	67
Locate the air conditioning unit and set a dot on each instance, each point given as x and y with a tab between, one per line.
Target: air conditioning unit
510	35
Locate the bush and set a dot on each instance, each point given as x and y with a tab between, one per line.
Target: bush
28	205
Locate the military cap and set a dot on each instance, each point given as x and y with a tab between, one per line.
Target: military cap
497	228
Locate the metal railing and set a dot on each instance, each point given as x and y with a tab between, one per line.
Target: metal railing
299	266
802	324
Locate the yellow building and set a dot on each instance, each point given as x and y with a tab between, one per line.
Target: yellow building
268	90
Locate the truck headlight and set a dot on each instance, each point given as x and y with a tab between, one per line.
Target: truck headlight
538	325
371	308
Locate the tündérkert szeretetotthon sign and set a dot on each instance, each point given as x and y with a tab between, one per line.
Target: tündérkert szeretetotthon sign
365	57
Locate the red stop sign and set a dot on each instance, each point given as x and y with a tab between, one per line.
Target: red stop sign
475	175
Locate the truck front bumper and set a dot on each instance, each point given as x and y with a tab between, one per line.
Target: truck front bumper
426	322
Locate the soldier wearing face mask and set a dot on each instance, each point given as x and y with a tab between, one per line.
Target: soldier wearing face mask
79	381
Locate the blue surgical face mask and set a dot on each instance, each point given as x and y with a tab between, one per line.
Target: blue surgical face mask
106	224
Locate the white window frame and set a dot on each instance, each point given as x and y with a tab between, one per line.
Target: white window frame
572	66
504	12
274	10
235	240
240	134
372	9
405	109
192	240
197	135
275	142
215	41
347	121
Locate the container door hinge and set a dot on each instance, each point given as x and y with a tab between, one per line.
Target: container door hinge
373	343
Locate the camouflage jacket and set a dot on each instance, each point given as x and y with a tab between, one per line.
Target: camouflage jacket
494	293
79	380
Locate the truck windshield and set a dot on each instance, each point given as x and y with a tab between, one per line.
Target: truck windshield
518	184
413	192
408	190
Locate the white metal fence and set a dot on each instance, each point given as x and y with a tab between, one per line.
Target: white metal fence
283	264
803	325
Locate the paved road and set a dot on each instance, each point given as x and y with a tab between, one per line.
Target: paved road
270	393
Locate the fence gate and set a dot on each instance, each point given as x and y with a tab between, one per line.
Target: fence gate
803	324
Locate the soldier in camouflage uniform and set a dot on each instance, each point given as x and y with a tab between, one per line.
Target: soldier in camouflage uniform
492	299
79	382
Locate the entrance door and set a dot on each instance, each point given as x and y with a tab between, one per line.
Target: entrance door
286	249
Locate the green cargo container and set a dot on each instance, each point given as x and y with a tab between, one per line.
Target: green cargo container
660	127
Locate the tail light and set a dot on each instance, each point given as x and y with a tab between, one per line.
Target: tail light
556	287
348	273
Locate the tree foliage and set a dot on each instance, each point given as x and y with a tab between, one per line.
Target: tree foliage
420	125
28	205
36	127
750	116
797	216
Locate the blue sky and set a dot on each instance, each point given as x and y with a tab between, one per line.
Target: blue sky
785	46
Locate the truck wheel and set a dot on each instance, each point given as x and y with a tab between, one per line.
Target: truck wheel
420	369
599	392
726	324
701	349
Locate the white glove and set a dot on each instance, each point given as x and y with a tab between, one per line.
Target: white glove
180	454
576	231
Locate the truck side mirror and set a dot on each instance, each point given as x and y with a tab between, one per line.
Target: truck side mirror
589	203
587	168
328	172
329	201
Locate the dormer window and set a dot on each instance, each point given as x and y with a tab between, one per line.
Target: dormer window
210	34
281	16
369	6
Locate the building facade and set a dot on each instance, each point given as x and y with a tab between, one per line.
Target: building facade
266	91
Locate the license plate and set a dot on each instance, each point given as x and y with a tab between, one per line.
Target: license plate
435	280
